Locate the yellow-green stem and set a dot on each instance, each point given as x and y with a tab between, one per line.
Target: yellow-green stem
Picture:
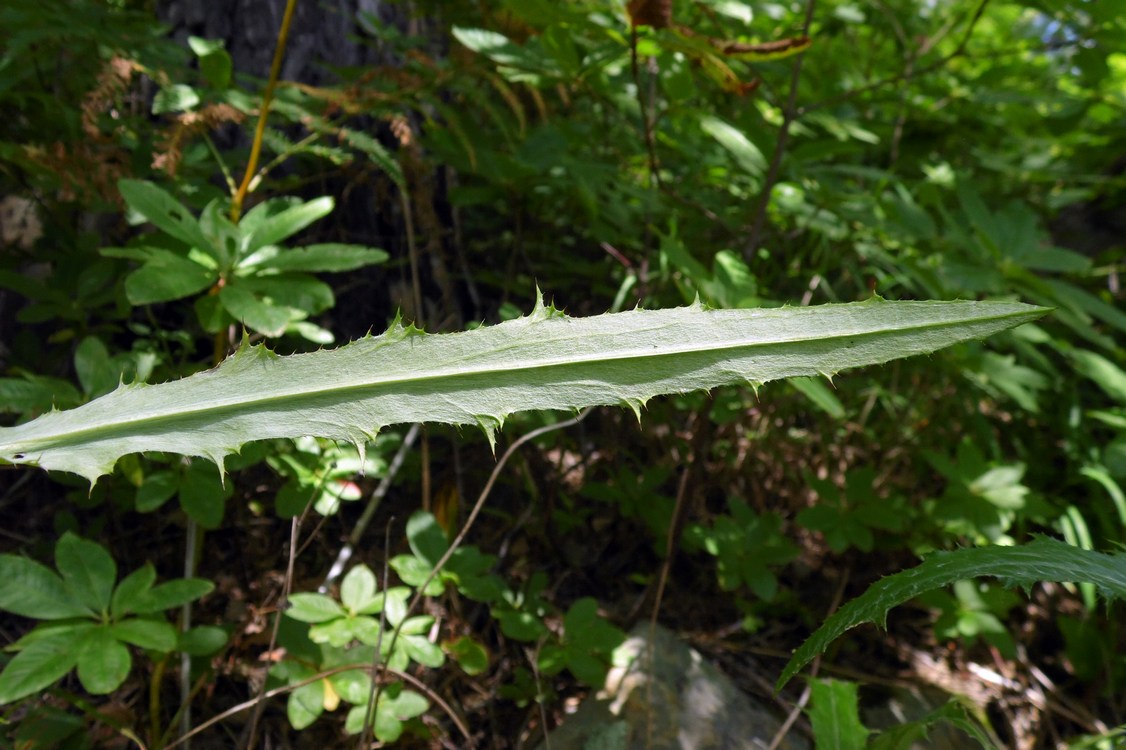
267	97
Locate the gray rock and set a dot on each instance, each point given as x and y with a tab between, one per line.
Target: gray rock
694	705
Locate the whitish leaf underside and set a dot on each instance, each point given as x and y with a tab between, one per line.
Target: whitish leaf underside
545	360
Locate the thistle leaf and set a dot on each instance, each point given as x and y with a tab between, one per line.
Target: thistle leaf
545	360
1041	560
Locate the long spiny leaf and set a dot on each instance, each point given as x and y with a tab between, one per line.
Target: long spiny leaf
542	361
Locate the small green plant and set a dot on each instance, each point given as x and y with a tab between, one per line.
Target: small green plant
747	546
849	517
347	632
85	620
250	277
974	610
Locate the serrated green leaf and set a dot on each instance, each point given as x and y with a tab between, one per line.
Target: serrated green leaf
31	589
88	571
1041	560
543	361
834	713
42	663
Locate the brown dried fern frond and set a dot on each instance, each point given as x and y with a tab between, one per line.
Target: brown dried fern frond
187	125
113	81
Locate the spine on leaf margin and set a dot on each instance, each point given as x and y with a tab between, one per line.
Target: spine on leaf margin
545	360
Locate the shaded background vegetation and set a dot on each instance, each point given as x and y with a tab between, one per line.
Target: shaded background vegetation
942	150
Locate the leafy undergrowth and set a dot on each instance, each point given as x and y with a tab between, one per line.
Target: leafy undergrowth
742	154
533	525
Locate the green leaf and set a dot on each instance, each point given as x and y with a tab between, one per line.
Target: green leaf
327	258
470	655
819	393
357	590
395	706
423	651
254	312
30	589
1107	375
291	290
33	393
172	594
132	590
1041	560
746	154
88	571
203	496
287	223
157	488
834	713
175	98
426	538
155	635
164	211
313	608
42	663
47	727
543	361
214	61
306	704
205	640
167	276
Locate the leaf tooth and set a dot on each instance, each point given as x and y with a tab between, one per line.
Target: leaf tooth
489	425
635	405
219	458
828	376
754	385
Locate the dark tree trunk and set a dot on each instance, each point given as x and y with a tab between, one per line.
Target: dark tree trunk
324	34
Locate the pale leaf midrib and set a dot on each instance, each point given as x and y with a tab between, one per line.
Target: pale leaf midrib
109	430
